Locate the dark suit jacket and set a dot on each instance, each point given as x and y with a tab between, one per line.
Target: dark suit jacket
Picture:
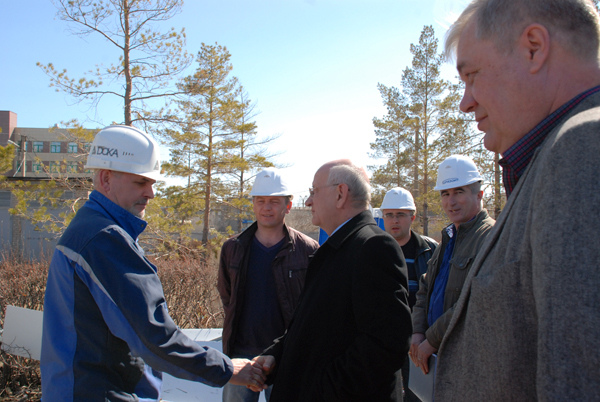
350	332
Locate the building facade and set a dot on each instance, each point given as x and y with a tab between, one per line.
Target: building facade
41	154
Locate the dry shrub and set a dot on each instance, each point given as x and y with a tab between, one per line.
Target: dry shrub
22	283
190	289
19	379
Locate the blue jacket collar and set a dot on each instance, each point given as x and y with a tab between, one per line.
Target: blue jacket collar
133	225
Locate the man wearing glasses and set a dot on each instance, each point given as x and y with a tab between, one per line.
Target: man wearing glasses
459	184
350	332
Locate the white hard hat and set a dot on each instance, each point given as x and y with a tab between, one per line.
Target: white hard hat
125	149
456	171
270	183
398	198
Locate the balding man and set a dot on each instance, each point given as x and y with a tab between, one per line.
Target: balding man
350	333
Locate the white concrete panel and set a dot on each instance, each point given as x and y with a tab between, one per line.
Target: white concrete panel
22	335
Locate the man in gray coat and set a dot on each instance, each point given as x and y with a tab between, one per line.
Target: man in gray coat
526	326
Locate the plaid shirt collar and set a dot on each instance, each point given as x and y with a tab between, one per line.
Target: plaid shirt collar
518	156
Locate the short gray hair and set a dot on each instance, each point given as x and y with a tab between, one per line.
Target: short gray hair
353	177
475	187
574	23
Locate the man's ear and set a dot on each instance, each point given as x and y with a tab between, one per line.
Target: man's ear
342	193
105	179
535	45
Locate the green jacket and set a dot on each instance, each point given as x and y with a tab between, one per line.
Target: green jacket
470	237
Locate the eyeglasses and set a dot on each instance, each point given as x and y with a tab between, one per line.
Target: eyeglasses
311	190
399	215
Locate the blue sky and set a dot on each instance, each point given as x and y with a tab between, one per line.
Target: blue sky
312	66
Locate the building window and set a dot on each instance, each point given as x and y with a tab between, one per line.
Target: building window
36	167
55	147
38	146
72	149
54	167
71	167
87	147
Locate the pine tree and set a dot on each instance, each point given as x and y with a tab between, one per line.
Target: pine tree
250	156
147	59
423	126
203	140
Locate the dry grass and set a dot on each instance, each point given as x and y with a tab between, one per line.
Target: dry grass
190	286
190	289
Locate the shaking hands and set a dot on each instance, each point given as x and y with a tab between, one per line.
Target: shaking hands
252	373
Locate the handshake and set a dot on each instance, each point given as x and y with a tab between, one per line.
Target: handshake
252	373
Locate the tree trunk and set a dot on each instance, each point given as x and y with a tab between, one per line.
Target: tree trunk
126	67
208	188
425	204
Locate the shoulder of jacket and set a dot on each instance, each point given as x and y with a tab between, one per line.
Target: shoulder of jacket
429	240
299	237
88	225
488	223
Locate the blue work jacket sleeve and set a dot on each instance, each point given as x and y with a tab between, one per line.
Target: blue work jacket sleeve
129	294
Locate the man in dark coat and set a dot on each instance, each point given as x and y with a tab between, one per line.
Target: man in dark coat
350	333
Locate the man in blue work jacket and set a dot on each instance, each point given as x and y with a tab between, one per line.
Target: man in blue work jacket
107	333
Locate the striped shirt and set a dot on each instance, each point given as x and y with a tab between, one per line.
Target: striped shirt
518	156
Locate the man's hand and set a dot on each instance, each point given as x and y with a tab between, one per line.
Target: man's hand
415	341
425	350
266	364
246	372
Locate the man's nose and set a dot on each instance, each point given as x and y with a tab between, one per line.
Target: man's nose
150	192
467	103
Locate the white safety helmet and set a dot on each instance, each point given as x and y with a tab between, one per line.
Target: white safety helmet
269	182
398	198
125	149
456	171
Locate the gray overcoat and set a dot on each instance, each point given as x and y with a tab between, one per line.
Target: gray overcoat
527	324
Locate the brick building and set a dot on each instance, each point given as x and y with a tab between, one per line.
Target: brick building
40	154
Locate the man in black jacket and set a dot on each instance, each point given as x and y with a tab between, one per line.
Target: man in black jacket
261	275
399	212
350	333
